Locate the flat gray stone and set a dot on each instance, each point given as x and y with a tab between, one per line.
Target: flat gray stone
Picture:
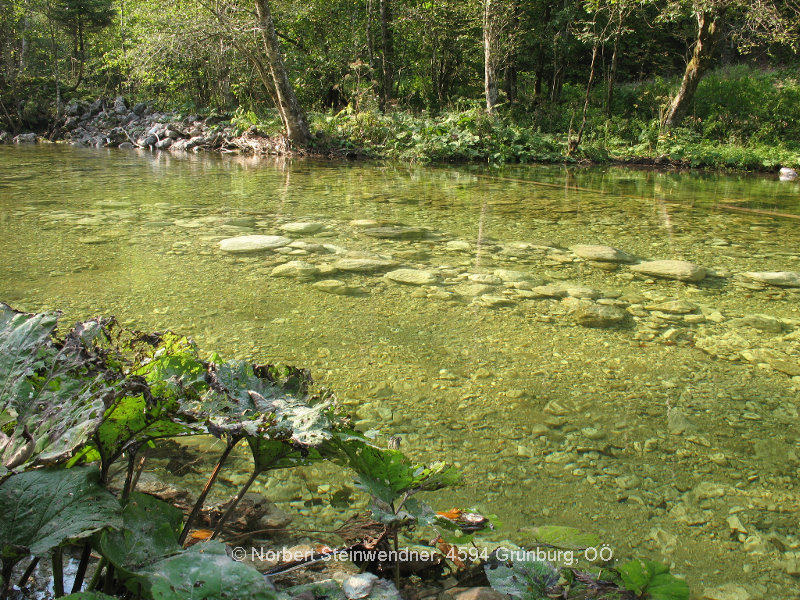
602	254
397	232
671	269
776	278
364	265
304	227
470	290
412	277
297	269
513	275
337	287
253	243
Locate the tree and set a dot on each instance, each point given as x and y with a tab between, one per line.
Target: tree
489	55
767	21
387	56
293	117
78	17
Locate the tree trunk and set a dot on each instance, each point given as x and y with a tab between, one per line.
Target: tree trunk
293	117
707	33
574	144
489	56
612	76
387	45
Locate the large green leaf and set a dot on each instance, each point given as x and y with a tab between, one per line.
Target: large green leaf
146	551
23	337
52	394
389	474
150	528
45	508
650	579
205	572
88	596
525	579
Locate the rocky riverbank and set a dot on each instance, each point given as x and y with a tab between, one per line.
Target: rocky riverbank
116	124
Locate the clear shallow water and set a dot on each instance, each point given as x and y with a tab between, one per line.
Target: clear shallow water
647	435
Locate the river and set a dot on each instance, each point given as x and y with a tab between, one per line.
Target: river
672	434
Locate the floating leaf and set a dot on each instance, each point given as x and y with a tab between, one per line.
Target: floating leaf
45	508
650	579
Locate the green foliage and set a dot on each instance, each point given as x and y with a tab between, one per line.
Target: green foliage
47	508
52	395
525	579
130	389
146	551
389	475
652	580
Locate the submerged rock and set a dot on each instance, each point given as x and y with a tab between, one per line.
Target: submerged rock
602	254
364	265
412	277
397	232
253	243
304	227
776	278
470	290
671	269
359	586
340	288
296	268
599	315
490	301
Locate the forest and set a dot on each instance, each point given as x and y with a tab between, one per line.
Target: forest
698	82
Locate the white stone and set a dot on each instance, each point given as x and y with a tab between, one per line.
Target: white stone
359	586
253	243
787	174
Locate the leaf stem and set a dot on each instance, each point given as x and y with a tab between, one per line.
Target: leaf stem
81	572
28	572
198	505
235	503
58	572
98	571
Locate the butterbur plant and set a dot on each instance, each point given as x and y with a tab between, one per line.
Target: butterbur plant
73	406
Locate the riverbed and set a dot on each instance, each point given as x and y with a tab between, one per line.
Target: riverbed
458	309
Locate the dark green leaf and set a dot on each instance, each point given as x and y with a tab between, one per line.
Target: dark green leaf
204	572
527	580
45	508
150	529
652	579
